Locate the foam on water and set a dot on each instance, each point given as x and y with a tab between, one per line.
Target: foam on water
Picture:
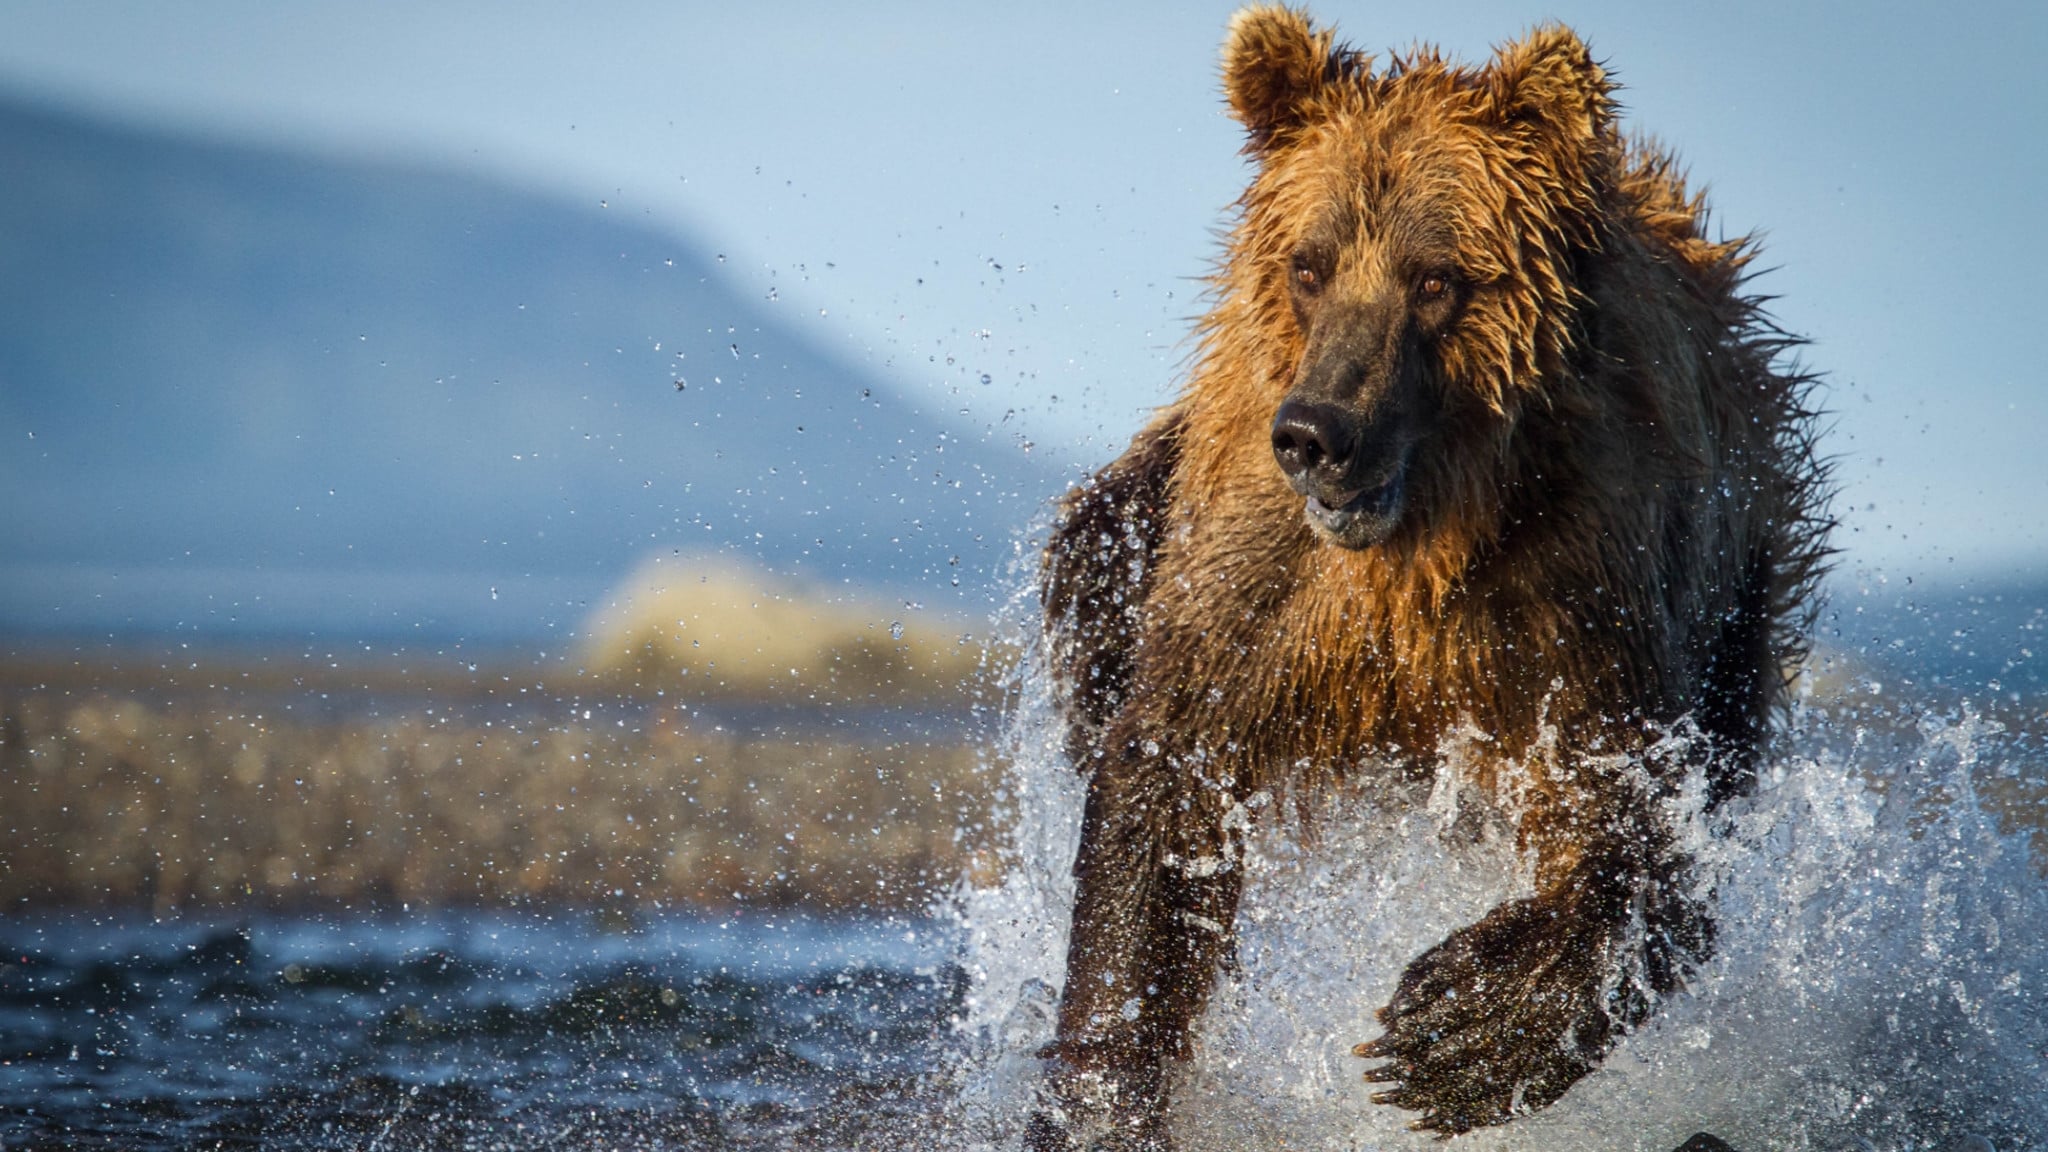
1880	980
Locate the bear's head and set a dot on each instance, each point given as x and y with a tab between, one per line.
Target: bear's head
1407	257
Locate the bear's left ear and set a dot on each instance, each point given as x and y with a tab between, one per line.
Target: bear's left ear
1550	81
1275	65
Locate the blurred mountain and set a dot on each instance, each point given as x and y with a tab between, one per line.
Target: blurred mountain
250	391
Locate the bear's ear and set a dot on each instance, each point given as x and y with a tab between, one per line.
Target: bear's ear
1551	82
1274	64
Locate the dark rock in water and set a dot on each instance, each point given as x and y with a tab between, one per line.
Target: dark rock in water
1701	1142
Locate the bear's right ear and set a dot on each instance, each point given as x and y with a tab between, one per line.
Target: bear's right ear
1275	64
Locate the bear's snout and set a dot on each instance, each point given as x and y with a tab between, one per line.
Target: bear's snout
1351	475
1315	444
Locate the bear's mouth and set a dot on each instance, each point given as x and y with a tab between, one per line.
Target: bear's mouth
1359	519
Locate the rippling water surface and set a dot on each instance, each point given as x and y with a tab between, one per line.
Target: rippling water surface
467	1030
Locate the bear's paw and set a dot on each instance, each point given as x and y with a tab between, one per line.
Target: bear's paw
1507	1014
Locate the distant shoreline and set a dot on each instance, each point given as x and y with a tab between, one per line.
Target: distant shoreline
140	781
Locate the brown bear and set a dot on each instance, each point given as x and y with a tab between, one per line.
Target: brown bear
1483	433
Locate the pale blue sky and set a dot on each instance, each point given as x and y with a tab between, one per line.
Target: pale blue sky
873	165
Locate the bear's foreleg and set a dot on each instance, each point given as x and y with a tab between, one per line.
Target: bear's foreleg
1157	888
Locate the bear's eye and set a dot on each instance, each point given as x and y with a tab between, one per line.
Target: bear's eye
1306	276
1435	286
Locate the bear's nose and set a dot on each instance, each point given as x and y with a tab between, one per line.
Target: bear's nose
1314	444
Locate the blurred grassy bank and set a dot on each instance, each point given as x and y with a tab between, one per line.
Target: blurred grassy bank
106	798
165	780
716	734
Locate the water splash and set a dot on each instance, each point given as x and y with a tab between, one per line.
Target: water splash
1878	984
1014	933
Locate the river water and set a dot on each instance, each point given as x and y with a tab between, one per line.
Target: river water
1881	984
467	1030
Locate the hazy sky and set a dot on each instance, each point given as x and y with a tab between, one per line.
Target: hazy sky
1037	189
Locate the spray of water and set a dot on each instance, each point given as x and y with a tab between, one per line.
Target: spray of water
1880	981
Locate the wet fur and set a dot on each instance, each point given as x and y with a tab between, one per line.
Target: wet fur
1615	524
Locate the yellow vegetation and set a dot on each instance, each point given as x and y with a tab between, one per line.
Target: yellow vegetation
697	626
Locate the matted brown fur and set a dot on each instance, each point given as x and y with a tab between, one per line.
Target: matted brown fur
1610	522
